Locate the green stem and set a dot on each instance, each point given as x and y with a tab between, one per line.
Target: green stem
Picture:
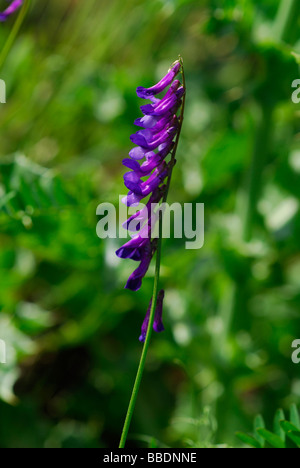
141	367
255	173
288	11
140	371
14	32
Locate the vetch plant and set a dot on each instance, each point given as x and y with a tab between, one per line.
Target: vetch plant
160	125
158	139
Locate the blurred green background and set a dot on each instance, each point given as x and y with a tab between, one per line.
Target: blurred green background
232	308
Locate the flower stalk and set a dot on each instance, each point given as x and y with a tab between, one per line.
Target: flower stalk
156	293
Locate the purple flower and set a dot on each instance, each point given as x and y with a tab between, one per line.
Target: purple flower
148	171
149	140
141	216
145	93
160	126
135	279
143	188
11	9
133	249
146	168
157	324
169	104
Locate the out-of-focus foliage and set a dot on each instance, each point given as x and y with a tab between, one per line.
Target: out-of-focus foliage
232	308
286	434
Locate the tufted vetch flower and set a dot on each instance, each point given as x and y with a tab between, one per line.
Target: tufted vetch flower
15	5
149	175
157	324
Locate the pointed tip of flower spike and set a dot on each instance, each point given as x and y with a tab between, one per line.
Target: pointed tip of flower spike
148	93
175	67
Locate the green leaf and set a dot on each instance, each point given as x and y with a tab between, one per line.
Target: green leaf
153	443
271	438
6	198
291	431
25	184
288	427
279	417
259	424
223	158
249	440
295	436
294	416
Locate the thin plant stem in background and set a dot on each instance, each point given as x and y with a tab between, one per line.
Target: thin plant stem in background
284	23
14	32
142	362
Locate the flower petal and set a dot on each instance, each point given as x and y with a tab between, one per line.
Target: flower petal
135	279
145	93
11	9
138	153
157	324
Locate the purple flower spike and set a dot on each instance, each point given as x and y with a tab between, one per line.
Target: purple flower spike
145	93
11	9
160	128
157	324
